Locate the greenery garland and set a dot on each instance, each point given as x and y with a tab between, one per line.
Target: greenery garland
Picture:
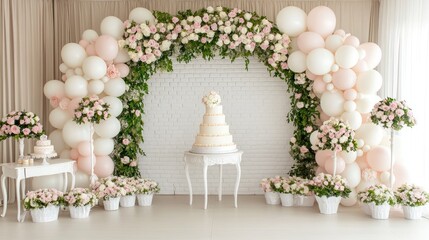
229	33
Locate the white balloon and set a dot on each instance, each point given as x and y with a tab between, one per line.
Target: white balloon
313	138
103	146
76	87
73	55
360	142
89	35
81	179
320	61
115	87
370	133
108	128
122	56
330	87
63	68
353	119
141	15
349	106
351	200
112	26
69	72
333	42
327	78
332	103
58	117
74	133
115	107
297	62
335	68
78	71
57	140
94	67
95	86
385	178
366	103
349	157
292	21
54	88
50	181
369	82
347	56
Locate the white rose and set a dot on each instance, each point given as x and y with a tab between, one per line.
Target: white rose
101	188
247	16
190	19
183	34
221	28
210	9
165	45
265	21
133	45
198	19
121	43
343	139
249	24
248	47
170	26
257	38
85	110
219	43
227	30
334	140
185	40
278	47
235	37
222	15
156	37
278	36
139	36
227	41
220	22
244	30
148	50
270	37
210	34
219	9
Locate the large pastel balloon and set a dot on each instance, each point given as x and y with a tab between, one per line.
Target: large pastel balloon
329	165
115	107
372	54
94	67
49	181
57	140
352	174
58	117
379	158
352	41
361	162
401	174
353	119
104	166
322	156
84	148
74	154
106	47
366	103
74	133
103	146
307	41
319	86
54	88
349	106
346	56
333	42
81	179
122	56
369	82
108	128
73	55
115	87
321	20
141	15
370	133
351	200
76	87
350	94
320	61
344	78
124	70
348	157
320	170
84	164
96	87
332	103
90	50
89	35
291	21
361	66
297	62
313	138
385	178
112	26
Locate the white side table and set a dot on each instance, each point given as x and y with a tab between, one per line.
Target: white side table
20	172
207	160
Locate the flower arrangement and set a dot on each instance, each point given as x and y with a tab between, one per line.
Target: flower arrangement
147	186
411	195
329	186
79	197
301	187
106	188
20	124
128	185
42	198
91	110
378	194
335	135
212	99
391	113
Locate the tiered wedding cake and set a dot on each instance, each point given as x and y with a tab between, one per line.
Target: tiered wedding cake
43	146
214	136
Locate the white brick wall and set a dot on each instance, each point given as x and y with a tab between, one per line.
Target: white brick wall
255	105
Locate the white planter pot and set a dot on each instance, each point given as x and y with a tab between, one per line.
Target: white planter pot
328	205
365	208
303	201
272	198
111	204
286	199
413	213
380	211
145	199
80	212
47	214
128	201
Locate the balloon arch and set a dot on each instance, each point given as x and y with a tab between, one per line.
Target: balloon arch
329	74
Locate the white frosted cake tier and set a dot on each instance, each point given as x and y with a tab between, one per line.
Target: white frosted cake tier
214	119
214	130
214	141
43	142
43	149
215	110
219	149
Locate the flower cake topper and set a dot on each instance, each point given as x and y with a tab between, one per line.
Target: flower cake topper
43	137
212	99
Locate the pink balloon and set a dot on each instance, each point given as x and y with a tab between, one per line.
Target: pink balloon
73	104
352	40
340	32
378	158
401	174
321	20
350	94
64	77
84	164
361	161
308	41
344	78
324	116
84	148
320	170
319	86
83	43
106	47
372	54
74	154
365	117
329	165
322	156
310	75
123	69
361	66
104	166
90	50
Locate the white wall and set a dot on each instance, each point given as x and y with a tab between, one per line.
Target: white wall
255	105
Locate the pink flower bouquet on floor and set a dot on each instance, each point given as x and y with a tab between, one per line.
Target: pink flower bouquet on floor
19	125
106	188
43	198
80	197
391	113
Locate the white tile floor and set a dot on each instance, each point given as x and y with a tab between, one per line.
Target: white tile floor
170	217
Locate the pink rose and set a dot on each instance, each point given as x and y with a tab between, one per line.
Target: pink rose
284	65
90	114
54	101
35	129
112	72
125	141
174	19
303	149
15	129
138	113
133	163
78	114
26	131
10	121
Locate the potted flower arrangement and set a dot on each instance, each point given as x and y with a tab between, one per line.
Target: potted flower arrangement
43	204
329	190
80	201
379	198
267	184
128	190
286	192
145	188
413	200
109	191
301	193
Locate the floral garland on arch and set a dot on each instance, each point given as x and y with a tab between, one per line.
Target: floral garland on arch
229	33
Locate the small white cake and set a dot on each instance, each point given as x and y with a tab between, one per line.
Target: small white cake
214	136
43	146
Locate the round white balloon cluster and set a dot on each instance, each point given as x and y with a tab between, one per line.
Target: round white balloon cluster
344	78
94	66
